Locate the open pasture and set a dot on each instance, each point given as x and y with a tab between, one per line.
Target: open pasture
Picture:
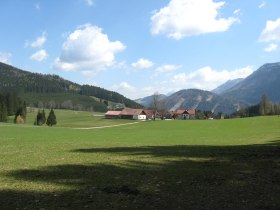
227	164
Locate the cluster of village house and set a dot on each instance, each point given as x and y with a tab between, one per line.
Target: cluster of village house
142	114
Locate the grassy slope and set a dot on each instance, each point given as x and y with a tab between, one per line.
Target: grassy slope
230	164
74	119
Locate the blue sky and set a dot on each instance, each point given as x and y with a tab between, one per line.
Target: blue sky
140	47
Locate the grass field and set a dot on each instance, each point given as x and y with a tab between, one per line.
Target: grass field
227	164
74	119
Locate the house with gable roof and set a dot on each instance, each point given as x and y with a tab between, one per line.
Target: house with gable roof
134	114
183	114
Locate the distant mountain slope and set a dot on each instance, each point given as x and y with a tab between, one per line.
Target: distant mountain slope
265	80
226	86
200	100
36	88
146	101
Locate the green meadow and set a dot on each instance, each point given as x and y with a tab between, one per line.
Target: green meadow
211	164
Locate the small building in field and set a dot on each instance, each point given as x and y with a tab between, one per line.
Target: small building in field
184	114
134	114
112	115
149	114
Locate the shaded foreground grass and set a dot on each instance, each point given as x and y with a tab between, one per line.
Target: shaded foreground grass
111	169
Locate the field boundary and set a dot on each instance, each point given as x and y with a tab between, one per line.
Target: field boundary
106	126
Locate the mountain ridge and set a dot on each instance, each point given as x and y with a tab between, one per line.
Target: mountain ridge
263	81
30	86
226	86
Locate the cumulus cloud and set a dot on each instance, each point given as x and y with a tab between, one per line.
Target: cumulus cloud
125	88
166	68
271	32
182	18
5	57
87	49
272	47
38	42
207	78
142	63
39	55
133	92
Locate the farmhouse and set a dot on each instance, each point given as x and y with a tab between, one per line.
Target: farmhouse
112	114
141	114
135	114
184	114
149	114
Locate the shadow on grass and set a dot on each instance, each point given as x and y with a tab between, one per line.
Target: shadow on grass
188	177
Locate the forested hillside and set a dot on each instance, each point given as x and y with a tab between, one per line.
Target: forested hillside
52	90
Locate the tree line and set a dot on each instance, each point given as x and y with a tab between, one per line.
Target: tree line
265	107
11	104
13	79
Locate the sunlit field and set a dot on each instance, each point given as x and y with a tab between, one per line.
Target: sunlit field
215	164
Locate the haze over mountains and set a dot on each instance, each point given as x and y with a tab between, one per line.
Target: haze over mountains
232	95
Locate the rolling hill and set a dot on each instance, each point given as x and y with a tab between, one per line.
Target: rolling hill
52	90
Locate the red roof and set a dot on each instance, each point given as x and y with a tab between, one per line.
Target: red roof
191	111
132	112
181	111
113	113
149	112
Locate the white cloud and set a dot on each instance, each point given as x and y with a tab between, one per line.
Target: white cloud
87	49
271	32
237	11
39	55
272	47
142	63
263	4
182	18
166	68
133	92
38	42
207	78
125	89
5	57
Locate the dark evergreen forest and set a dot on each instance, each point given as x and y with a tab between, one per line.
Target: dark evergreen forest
52	91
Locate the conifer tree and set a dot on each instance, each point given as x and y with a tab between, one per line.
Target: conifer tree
51	118
3	112
40	118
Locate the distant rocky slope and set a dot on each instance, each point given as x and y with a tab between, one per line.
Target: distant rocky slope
226	86
264	81
201	100
146	101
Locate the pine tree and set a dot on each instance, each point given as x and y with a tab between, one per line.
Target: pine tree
3	112
40	118
51	118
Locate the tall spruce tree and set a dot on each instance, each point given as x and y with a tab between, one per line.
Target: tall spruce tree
3	112
51	118
40	118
